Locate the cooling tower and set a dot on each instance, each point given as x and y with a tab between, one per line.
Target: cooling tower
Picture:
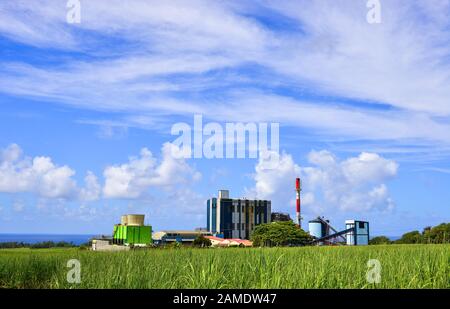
135	220
123	220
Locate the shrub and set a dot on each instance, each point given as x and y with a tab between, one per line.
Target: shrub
279	234
380	240
201	242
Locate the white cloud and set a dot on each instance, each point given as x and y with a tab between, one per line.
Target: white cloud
354	184
38	175
135	178
92	189
11	153
368	167
322	158
53	181
126	180
271	181
377	198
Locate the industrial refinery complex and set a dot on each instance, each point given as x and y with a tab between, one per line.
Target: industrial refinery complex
230	222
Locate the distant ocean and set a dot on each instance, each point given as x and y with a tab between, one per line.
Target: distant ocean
35	238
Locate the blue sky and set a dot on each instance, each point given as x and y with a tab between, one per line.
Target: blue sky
87	110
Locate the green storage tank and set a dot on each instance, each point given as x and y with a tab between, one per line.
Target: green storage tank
132	235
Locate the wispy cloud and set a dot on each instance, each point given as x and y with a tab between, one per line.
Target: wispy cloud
402	62
230	61
436	169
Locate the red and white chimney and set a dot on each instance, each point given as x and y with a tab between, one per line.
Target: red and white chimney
298	188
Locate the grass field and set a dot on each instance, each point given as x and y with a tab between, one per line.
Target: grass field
403	266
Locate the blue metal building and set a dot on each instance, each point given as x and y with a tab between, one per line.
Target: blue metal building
359	235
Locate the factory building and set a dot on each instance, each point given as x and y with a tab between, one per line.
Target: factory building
132	231
183	237
356	233
235	218
359	233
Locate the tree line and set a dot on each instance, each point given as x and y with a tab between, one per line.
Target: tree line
39	245
439	234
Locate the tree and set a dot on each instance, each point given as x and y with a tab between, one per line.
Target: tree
440	234
413	237
426	237
279	234
380	240
201	242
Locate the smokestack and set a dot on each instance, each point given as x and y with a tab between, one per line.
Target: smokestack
298	188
